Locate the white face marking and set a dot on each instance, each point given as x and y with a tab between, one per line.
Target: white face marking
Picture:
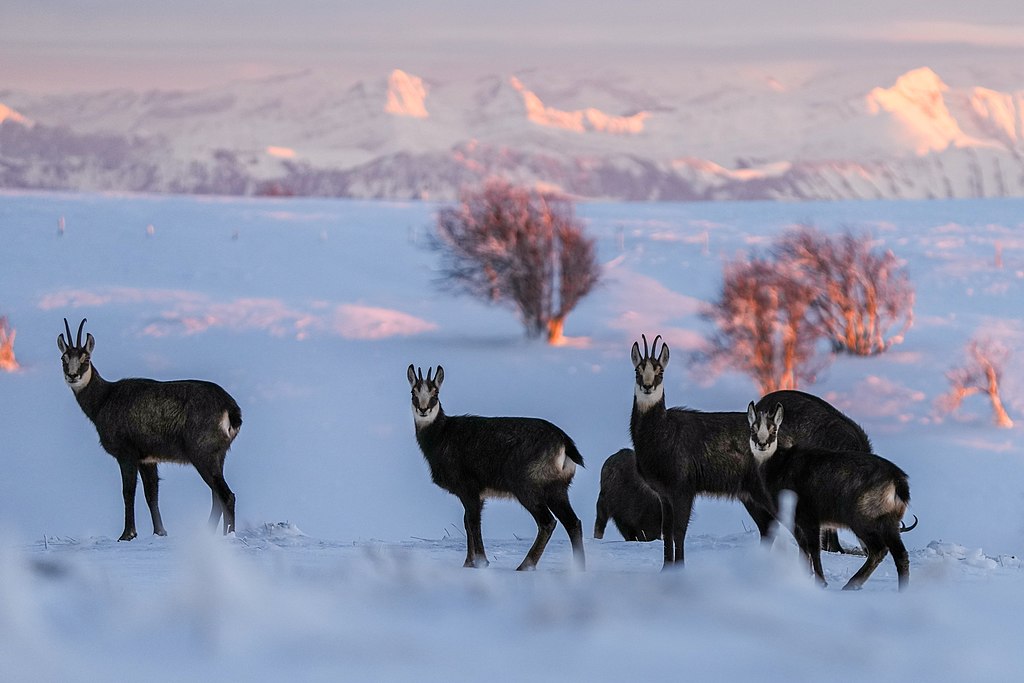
423	413
647	395
762	454
78	383
763	443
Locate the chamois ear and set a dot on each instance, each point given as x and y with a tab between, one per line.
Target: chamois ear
90	343
61	344
663	358
777	417
411	374
634	355
751	415
439	377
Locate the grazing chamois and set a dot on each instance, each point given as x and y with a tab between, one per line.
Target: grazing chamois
142	422
474	458
627	500
857	490
825	427
681	453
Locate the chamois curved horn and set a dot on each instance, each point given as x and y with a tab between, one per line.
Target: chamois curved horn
67	328
654	346
646	353
78	341
430	372
904	528
419	375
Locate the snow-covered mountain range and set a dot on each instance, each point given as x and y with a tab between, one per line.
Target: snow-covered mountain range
403	136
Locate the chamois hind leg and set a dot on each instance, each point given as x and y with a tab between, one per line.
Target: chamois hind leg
475	554
151	487
762	519
545	526
129	480
899	556
558	503
211	469
875	546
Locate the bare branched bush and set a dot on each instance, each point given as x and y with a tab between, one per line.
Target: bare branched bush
764	326
7	334
979	373
525	249
865	301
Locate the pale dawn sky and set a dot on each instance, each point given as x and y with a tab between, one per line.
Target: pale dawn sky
59	45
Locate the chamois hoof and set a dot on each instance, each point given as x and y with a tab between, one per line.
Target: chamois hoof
160	532
852	587
127	535
477	563
526	567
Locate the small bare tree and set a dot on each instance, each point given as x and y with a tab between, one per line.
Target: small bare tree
865	301
517	247
980	373
764	326
7	334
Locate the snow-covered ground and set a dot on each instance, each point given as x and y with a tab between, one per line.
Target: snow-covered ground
348	560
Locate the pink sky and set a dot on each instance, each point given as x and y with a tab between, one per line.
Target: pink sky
73	44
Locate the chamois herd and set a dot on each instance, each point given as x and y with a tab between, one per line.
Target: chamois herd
788	440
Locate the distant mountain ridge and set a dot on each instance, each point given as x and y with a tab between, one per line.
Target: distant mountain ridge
404	136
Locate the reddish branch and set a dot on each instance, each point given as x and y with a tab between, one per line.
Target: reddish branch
980	374
521	248
7	334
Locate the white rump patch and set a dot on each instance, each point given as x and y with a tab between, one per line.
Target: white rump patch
565	465
881	501
225	425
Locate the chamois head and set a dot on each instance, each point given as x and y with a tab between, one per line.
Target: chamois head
650	372
425	403
764	431
76	359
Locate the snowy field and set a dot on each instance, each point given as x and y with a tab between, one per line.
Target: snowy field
347	563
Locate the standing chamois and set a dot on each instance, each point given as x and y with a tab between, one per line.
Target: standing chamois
853	489
627	500
142	422
681	453
523	458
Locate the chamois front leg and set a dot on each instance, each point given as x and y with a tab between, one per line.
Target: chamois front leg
683	508
476	557
151	487
129	480
601	520
667	530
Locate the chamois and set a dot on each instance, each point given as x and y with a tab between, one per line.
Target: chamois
627	500
825	427
681	452
857	490
474	458
142	422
